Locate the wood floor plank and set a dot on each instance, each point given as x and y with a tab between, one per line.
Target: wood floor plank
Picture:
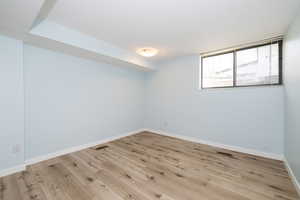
8	189
148	166
29	187
175	172
245	177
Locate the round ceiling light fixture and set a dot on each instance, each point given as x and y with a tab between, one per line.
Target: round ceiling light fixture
147	51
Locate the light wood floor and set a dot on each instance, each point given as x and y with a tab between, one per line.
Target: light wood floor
148	166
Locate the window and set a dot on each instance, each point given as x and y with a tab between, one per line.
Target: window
252	66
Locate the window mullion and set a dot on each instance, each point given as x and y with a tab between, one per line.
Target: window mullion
234	68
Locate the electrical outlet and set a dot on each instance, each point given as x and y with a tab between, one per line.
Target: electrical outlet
16	149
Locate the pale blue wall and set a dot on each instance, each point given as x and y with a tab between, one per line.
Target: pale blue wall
11	103
72	101
292	93
244	117
69	101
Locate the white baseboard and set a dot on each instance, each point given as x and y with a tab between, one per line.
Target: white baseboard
20	168
292	175
12	170
238	149
84	146
77	148
15	169
223	146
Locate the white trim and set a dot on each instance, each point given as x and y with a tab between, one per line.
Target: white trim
12	170
84	146
239	149
6	172
292	175
223	146
77	148
20	168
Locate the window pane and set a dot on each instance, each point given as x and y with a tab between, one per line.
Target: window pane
218	71
258	66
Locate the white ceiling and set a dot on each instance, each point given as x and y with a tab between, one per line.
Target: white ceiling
16	15
176	27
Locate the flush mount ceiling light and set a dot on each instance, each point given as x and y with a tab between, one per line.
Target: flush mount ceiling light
147	51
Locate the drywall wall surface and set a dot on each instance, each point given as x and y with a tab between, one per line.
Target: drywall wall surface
249	117
71	101
292	93
11	103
